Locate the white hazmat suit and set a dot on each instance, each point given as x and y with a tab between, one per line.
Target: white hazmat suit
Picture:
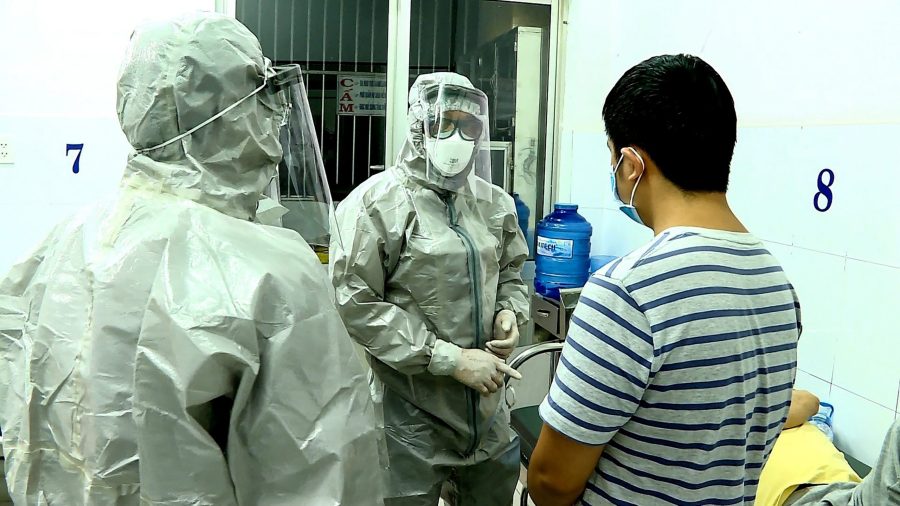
162	348
429	263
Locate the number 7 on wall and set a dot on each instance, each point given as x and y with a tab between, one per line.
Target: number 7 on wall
75	147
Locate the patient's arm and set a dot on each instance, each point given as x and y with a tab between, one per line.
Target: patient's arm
803	405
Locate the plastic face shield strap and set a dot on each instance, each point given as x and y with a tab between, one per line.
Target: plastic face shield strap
302	179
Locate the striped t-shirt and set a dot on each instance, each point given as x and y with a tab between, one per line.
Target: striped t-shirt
680	359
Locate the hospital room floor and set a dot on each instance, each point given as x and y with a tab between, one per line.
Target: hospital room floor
517	498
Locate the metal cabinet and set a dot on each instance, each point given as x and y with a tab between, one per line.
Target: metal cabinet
512	71
553	315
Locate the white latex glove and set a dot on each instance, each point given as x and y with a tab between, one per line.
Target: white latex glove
269	212
477	369
506	334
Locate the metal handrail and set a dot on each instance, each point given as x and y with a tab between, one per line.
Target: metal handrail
525	356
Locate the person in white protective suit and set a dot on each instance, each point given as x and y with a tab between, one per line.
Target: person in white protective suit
163	347
428	280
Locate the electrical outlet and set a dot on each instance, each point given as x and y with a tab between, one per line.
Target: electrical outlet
6	151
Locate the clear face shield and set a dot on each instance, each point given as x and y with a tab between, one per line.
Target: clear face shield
457	140
300	186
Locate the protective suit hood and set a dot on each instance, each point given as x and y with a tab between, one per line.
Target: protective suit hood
177	75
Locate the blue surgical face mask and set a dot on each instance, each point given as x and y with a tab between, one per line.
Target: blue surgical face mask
628	208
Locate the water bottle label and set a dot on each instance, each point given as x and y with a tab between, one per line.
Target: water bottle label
555	248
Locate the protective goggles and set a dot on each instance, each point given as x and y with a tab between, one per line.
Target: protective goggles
469	127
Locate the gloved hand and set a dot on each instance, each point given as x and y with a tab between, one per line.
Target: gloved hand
269	211
477	369
506	334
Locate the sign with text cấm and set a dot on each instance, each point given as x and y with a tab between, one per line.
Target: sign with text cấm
362	94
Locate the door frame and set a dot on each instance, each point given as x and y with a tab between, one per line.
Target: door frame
226	7
398	87
399	22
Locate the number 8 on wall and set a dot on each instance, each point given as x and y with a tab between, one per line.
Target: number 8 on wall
824	192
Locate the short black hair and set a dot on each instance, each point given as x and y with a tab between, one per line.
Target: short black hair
678	109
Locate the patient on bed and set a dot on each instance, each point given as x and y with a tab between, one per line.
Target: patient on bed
805	468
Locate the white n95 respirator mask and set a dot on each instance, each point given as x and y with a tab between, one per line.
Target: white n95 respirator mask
450	156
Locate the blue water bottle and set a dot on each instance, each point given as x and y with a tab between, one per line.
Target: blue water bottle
563	256
823	419
523	214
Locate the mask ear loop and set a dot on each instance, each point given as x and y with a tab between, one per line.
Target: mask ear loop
210	120
618	163
643	169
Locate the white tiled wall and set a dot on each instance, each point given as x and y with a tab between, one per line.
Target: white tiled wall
844	263
811	94
860	425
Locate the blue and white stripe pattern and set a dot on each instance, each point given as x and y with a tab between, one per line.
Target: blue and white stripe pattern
680	359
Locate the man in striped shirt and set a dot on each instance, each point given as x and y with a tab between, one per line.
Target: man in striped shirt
676	375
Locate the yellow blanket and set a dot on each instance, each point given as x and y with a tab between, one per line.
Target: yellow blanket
801	455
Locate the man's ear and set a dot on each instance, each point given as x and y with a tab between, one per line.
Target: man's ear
632	164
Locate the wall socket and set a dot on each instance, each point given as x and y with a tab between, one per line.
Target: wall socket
6	151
